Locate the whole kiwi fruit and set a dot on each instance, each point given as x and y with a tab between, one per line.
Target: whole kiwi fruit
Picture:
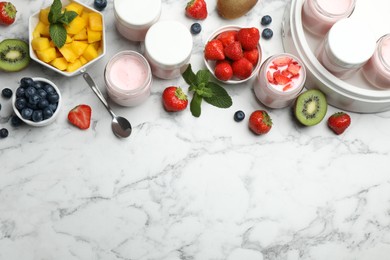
232	9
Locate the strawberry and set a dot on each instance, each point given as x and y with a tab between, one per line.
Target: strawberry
214	50
196	9
249	38
280	79
282	61
174	99
223	70
252	56
227	37
294	69
242	68
80	116
338	122
7	13
234	51
260	122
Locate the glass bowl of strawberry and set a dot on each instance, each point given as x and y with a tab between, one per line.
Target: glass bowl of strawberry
233	54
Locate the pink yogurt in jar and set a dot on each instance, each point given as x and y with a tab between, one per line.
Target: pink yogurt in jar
318	16
279	81
128	78
377	69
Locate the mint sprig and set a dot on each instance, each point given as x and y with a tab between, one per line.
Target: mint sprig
58	20
205	90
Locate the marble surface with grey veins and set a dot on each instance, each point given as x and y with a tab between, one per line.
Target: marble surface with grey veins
189	188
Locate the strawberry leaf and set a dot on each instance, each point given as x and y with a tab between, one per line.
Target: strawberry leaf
58	34
195	105
220	97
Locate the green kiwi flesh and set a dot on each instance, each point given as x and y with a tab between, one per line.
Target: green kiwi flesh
14	55
310	107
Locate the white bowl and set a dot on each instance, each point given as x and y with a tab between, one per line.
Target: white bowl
45	121
33	21
211	64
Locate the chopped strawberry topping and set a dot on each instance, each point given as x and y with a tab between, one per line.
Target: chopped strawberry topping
294	68
282	61
287	87
281	79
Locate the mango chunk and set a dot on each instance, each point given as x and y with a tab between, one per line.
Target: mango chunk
40	43
47	55
78	47
75	7
76	25
90	53
93	36
68	53
82	35
83	60
44	15
95	22
41	29
74	66
60	63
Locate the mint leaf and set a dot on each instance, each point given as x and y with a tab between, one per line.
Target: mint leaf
220	98
189	76
67	17
55	11
204	91
58	34
202	76
195	105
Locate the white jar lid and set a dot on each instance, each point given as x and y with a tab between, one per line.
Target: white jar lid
350	43
168	43
137	12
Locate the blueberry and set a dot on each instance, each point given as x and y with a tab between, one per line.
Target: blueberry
27	113
38	84
15	121
3	133
6	92
53	106
267	33
53	98
20	103
32	106
100	4
37	116
26	82
34	99
20	91
239	116
266	20
42	93
43	103
47	112
49	89
196	28
30	91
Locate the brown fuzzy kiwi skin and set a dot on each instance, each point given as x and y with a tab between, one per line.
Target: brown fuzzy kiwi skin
232	9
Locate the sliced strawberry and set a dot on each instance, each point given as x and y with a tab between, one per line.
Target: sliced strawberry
234	51
287	73
227	37
287	87
214	50
270	77
282	61
80	116
294	68
280	79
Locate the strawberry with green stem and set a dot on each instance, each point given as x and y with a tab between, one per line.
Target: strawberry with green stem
7	13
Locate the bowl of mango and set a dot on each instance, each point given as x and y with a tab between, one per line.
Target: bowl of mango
84	43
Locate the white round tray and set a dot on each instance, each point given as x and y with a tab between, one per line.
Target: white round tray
354	94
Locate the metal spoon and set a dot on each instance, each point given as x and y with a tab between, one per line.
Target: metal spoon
120	125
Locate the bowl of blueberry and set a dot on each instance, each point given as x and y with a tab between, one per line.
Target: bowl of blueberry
36	101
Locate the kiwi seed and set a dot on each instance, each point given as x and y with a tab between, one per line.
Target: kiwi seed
14	55
310	107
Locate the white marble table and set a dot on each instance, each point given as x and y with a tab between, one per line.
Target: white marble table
189	188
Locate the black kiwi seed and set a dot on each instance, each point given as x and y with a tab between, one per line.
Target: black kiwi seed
14	55
310	107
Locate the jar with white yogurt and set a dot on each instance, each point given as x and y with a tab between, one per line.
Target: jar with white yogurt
133	18
168	47
128	78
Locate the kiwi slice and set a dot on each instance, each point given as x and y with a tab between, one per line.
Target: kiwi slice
310	107
14	55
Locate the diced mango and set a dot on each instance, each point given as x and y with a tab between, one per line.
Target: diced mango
83	60
95	22
76	25
78	47
60	63
44	15
93	36
67	52
82	35
85	16
47	55
74	66
68	39
90	53
75	7
40	43
42	29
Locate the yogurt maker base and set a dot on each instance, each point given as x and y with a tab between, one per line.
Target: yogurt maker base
354	94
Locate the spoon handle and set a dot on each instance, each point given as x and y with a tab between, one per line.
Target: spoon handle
99	94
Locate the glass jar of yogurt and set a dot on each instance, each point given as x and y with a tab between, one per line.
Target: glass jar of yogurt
280	80
318	16
377	69
128	78
168	47
133	18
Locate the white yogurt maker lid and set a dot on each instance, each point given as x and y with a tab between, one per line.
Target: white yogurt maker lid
168	43
137	12
351	42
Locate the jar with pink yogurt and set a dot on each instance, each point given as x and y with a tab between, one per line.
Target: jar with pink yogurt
279	81
318	16
128	78
377	69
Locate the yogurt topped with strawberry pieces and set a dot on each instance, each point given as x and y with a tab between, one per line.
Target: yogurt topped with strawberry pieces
284	73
